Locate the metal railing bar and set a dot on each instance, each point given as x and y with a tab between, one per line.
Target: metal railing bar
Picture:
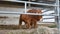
32	14
25	7
42	4
47	10
21	12
48	18
48	22
34	3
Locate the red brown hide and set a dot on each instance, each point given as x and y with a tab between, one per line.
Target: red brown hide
30	20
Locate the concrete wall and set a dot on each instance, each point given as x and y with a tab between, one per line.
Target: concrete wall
12	19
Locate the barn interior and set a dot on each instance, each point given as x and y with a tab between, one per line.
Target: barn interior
10	11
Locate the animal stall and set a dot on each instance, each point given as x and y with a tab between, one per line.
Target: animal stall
51	10
29	12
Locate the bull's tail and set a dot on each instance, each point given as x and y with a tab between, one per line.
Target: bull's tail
20	20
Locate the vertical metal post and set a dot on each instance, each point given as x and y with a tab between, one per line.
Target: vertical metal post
58	13
25	7
29	4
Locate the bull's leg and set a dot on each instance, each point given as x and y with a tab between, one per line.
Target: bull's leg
25	24
20	23
32	24
28	24
35	24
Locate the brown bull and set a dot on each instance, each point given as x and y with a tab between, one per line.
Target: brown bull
30	20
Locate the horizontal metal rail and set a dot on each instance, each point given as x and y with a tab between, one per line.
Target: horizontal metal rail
18	13
35	3
49	18
32	14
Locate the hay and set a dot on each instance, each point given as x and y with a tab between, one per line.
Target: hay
39	30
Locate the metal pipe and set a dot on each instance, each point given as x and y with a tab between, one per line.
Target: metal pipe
25	7
58	12
32	14
35	3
